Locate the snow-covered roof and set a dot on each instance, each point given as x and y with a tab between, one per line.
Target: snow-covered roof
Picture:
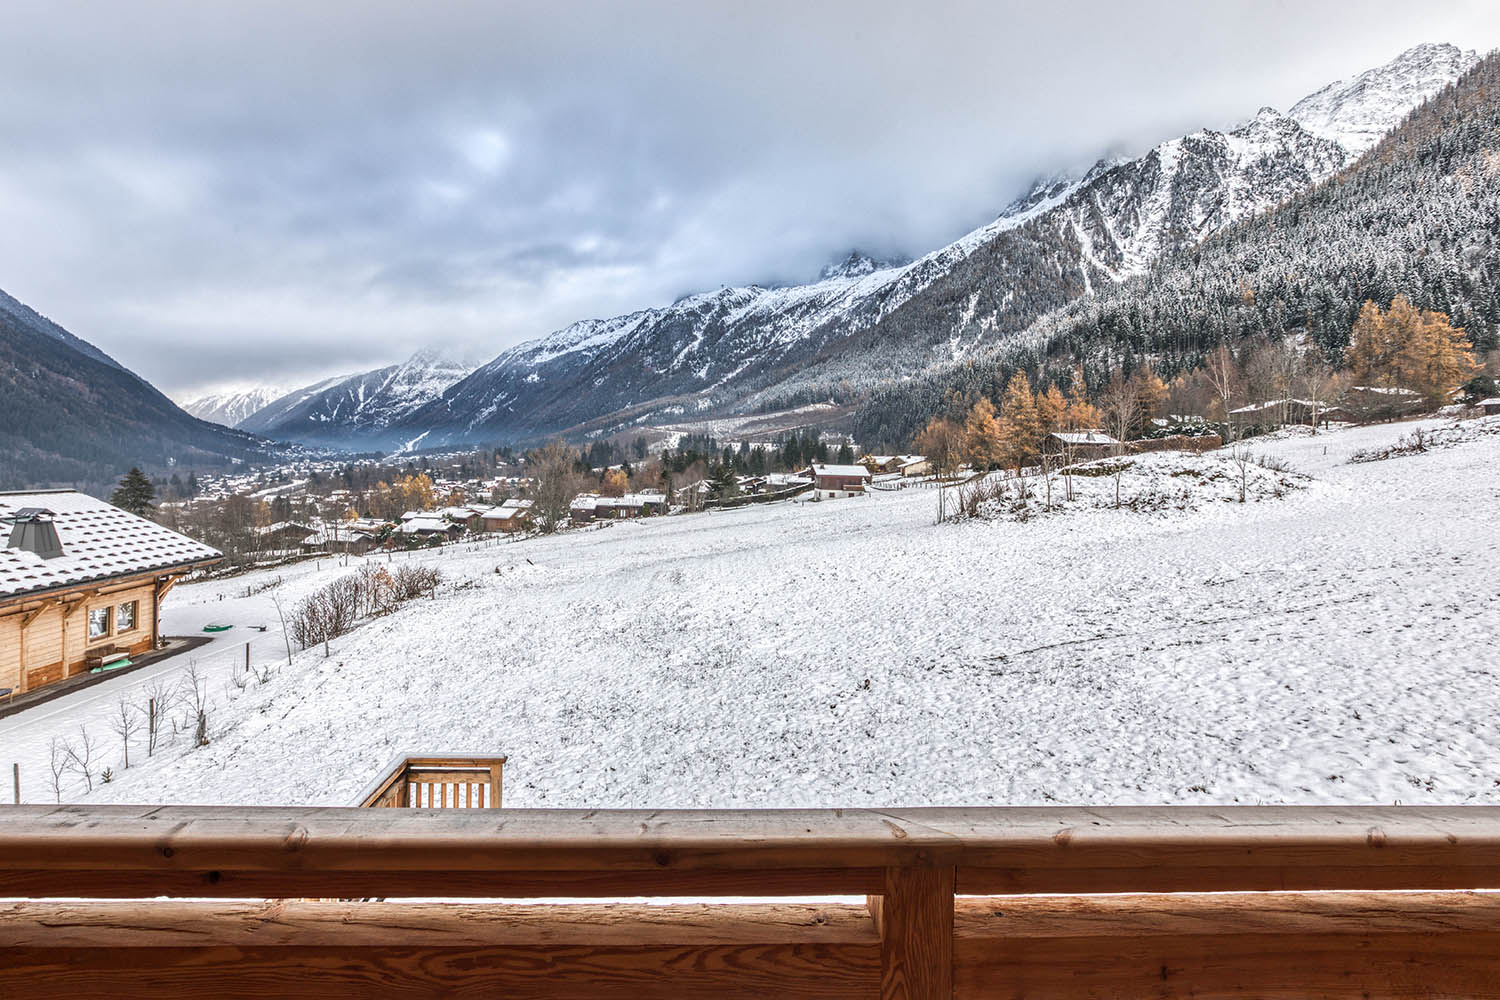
99	542
1492	401
1084	437
841	470
462	513
338	533
1384	390
912	460
424	523
584	501
503	513
518	503
281	526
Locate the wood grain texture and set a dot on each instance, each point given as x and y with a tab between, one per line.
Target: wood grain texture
915	920
721	972
127	850
307	948
1360	946
178	923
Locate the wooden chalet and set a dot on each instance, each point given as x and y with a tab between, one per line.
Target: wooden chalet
511	516
1491	406
1082	445
343	537
81	584
830	481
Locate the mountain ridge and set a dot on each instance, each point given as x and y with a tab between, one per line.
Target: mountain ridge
750	347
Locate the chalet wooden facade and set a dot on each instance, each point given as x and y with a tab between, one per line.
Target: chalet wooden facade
510	517
81	584
830	481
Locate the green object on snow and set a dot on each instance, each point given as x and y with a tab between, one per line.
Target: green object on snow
113	665
217	628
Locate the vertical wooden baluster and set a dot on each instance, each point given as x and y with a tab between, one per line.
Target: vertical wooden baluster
915	922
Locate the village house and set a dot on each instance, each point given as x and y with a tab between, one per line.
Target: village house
81	584
343	537
1491	406
1082	445
581	509
913	465
428	525
832	481
511	516
283	536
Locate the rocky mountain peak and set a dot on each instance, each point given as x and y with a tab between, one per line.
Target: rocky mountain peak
1357	111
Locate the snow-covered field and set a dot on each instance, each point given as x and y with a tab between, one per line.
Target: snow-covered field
1335	644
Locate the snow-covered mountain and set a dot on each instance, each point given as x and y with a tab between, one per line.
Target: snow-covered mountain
229	408
862	322
356	409
1356	112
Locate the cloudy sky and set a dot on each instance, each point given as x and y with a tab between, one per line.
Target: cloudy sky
236	193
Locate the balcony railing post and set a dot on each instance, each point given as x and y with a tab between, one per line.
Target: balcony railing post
915	921
494	799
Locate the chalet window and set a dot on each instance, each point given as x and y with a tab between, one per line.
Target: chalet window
98	623
125	617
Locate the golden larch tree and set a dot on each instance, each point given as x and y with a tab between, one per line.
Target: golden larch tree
982	435
1020	426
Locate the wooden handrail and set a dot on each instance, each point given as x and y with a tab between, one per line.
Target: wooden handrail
1053	933
167	850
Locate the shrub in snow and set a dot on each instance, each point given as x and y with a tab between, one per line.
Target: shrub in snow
1155	482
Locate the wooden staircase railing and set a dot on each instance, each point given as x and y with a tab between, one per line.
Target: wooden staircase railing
437	781
1038	903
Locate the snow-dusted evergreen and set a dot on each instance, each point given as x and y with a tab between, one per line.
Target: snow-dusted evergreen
229	408
358	409
861	323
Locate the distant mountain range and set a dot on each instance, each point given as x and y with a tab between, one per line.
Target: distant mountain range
357	408
863	322
229	408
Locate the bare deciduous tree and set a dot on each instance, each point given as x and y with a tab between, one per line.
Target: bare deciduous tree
80	755
126	722
1224	376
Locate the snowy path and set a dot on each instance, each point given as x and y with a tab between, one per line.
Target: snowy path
1338	645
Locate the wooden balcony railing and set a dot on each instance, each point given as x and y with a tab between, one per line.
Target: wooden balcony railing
437	781
1037	903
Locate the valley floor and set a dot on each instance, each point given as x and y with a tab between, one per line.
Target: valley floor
1338	644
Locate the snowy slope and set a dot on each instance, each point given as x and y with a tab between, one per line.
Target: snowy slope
1333	646
229	408
1356	112
865	322
357	409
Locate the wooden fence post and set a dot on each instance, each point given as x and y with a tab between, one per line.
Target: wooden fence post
494	795
915	921
15	773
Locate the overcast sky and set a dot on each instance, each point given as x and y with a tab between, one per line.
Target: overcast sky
235	193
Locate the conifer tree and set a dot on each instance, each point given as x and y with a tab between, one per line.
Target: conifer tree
1051	410
1020	427
134	493
982	435
1081	414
